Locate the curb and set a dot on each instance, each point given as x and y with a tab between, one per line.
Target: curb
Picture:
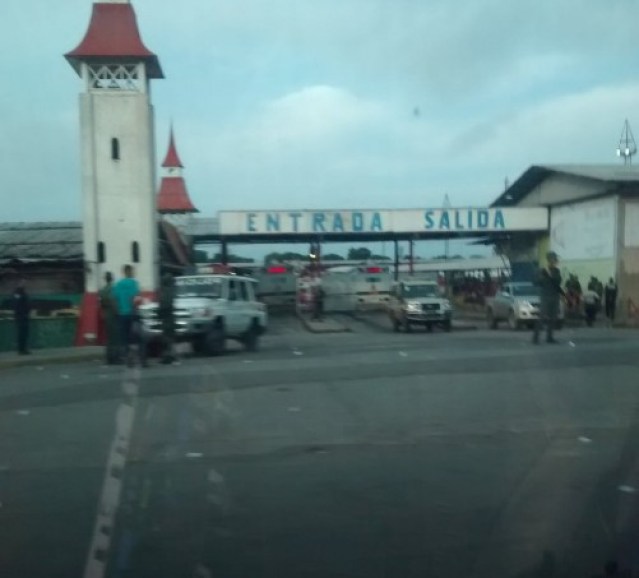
53	360
312	329
367	320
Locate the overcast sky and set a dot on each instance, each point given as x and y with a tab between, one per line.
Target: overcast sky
331	103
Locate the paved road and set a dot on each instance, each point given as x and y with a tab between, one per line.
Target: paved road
365	454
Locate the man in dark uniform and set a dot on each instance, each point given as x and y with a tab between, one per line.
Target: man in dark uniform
167	317
21	312
550	292
611	299
109	311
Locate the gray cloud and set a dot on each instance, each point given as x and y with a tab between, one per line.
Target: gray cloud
302	103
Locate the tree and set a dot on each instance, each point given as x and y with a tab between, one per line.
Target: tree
359	254
231	258
383	258
282	257
332	257
200	256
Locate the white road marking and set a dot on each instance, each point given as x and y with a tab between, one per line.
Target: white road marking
64	376
39	368
572	344
403	354
294	409
584	440
627	489
112	484
194	455
214	477
148	416
23	412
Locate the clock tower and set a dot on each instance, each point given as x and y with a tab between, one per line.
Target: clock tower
118	160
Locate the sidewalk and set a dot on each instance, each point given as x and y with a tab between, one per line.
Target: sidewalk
9	359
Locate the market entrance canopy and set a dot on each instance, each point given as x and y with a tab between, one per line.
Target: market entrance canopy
371	225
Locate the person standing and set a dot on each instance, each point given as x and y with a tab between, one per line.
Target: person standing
591	306
127	292
167	317
109	311
21	313
319	295
610	298
549	282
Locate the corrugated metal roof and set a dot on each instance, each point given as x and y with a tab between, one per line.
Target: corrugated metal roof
41	241
203	227
613	174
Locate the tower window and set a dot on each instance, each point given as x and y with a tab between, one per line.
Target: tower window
135	252
115	149
101	252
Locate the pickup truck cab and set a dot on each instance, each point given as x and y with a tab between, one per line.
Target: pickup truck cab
516	303
419	302
208	310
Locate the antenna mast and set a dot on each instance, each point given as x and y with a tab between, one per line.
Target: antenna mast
627	146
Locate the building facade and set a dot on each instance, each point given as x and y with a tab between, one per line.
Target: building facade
593	224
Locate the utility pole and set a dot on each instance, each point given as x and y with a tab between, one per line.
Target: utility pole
447	241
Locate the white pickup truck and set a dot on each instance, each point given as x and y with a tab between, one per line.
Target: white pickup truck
208	310
518	305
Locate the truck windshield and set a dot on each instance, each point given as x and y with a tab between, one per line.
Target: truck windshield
198	287
421	291
525	290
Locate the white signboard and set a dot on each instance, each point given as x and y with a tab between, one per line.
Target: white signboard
584	230
468	220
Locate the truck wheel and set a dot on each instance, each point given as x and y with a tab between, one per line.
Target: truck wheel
396	325
252	338
513	322
214	340
448	325
406	326
492	320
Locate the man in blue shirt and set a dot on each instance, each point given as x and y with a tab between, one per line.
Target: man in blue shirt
126	293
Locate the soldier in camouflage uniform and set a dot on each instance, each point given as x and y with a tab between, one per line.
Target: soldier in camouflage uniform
550	293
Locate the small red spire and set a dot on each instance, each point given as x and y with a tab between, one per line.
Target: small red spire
113	34
172	160
173	196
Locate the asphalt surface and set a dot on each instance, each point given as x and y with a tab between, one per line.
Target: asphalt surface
359	454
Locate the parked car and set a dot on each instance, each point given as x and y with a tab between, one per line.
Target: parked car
419	302
208	310
517	304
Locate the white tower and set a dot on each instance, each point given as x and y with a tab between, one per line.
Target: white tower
118	159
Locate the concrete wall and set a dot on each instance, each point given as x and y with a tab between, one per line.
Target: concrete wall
584	235
558	189
628	267
119	195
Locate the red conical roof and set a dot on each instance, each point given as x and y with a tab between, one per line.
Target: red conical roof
173	197
113	34
172	159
